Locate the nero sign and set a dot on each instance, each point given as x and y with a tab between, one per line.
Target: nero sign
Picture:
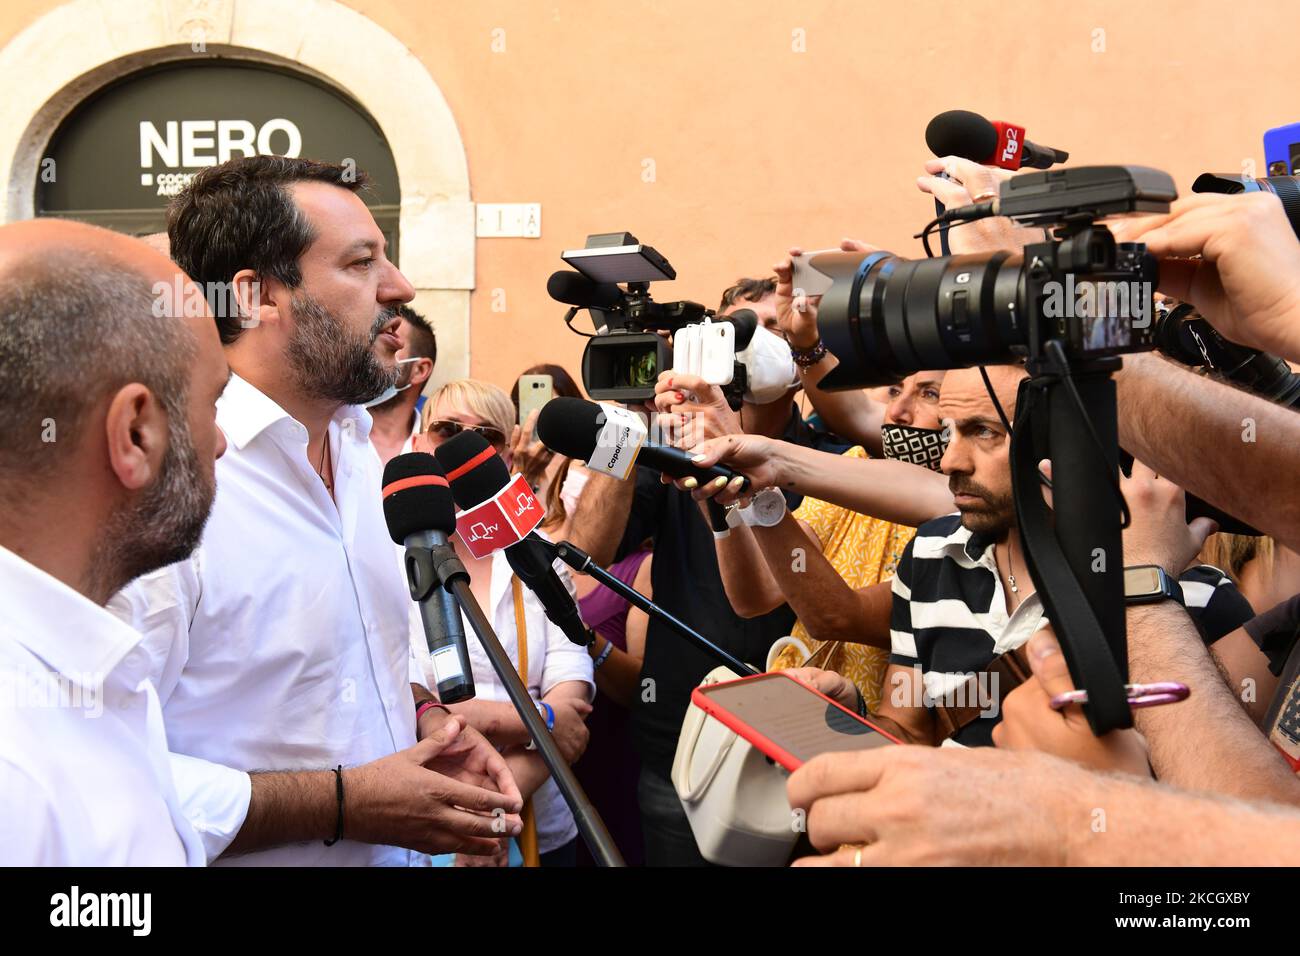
194	144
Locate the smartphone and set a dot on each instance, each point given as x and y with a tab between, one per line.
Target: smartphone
807	280
787	720
534	392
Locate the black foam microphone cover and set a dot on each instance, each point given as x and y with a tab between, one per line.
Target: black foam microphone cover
570	426
961	133
474	470
574	288
417	497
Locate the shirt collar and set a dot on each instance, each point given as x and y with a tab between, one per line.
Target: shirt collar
65	629
244	412
968	548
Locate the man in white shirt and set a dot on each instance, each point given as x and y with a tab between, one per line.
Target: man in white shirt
396	421
280	650
107	442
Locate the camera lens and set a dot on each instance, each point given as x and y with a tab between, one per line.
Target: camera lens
884	317
1285	188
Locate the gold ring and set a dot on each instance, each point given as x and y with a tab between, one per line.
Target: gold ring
983	197
857	856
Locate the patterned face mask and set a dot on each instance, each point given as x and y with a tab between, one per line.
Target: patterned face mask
920	446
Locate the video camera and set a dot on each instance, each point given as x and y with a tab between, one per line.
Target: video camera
623	359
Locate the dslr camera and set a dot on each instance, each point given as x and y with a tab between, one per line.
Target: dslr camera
885	317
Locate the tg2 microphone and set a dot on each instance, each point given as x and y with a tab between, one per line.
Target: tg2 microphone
971	136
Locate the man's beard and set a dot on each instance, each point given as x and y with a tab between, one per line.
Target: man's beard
165	525
993	518
330	364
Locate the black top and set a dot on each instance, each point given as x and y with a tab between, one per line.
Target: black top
688	584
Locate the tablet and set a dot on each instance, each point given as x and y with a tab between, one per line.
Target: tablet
787	720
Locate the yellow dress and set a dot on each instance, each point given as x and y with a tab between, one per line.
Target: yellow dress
864	551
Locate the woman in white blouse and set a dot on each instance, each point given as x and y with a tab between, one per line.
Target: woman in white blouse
559	675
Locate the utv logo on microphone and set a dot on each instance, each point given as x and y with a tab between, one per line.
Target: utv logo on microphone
196	144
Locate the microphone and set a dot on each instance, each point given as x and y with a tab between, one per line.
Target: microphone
574	427
574	288
420	514
477	475
970	136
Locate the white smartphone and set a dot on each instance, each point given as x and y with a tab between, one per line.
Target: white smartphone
534	392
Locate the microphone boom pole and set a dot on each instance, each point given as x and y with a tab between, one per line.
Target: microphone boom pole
451	574
581	562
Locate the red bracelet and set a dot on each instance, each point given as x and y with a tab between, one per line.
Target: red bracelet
419	711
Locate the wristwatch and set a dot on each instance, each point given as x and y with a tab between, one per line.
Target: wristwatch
766	509
1150	584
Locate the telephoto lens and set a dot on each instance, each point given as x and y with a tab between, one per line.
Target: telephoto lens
1285	188
885	318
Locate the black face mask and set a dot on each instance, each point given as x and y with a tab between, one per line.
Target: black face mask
920	446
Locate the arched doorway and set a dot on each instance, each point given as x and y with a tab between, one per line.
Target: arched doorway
121	154
71	54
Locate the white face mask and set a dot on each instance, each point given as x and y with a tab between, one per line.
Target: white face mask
769	369
393	389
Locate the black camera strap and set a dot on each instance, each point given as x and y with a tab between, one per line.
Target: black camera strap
1097	661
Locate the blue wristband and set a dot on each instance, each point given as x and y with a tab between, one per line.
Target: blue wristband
549	713
604	652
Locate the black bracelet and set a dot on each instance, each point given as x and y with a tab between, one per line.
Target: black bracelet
338	829
862	703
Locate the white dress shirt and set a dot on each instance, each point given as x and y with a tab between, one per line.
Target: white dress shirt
85	778
282	644
552	659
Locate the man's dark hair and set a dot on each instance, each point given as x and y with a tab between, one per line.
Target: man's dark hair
748	290
75	326
241	215
423	342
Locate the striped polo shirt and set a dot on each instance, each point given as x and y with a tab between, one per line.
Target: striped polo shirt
949	614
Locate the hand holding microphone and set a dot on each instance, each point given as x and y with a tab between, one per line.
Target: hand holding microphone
958	182
594	434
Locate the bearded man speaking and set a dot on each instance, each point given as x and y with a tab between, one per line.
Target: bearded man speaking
280	649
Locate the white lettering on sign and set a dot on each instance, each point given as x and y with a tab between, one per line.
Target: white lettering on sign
191	144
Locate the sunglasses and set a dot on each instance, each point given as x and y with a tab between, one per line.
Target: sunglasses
446	429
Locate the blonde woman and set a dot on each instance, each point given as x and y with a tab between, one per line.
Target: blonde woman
559	673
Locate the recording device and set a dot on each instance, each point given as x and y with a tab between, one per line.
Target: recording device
1285	188
787	720
885	317
1185	336
1067	306
420	515
970	136
418	508
476	474
579	429
623	359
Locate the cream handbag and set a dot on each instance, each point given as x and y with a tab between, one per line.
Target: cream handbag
734	797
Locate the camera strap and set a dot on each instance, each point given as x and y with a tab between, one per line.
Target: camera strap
1092	663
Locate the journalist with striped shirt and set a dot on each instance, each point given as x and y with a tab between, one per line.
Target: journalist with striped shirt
963	601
